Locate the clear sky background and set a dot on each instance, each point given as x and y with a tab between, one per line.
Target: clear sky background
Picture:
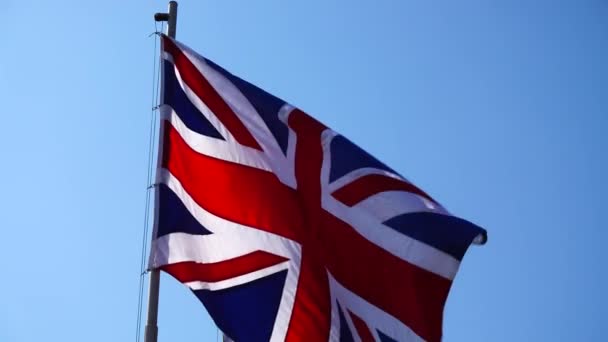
499	109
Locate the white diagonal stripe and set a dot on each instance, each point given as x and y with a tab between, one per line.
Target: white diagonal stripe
213	147
388	204
380	319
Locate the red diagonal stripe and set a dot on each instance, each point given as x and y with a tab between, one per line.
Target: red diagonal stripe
362	188
238	193
191	271
203	89
362	328
413	295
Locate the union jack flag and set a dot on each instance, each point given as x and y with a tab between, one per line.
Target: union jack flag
286	230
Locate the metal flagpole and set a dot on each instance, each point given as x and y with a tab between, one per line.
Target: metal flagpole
151	334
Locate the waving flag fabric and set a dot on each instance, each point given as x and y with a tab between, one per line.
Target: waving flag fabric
286	230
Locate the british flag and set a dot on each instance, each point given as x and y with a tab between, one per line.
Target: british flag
286	230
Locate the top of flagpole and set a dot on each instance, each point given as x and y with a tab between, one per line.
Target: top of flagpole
170	18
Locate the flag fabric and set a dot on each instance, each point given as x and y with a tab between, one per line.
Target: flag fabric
286	230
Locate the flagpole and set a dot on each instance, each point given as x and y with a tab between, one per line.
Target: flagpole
151	334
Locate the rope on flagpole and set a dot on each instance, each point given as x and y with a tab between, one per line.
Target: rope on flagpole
150	171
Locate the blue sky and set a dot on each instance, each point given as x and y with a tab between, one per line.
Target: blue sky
497	109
